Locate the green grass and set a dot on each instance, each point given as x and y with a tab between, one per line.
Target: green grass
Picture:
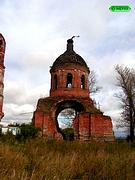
38	159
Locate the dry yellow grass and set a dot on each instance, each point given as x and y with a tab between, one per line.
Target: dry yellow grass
38	159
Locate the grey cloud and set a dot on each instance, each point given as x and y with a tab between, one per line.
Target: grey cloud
37	35
19	94
20	102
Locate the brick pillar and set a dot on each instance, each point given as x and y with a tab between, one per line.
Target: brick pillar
49	128
2	69
38	119
84	126
76	127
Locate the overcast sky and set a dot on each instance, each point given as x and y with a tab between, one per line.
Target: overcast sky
36	32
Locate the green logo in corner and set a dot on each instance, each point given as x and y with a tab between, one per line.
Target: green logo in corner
120	8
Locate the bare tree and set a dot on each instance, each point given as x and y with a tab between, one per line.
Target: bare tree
66	117
126	81
93	83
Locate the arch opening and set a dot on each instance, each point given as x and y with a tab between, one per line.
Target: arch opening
66	114
65	120
55	81
82	82
1	42
69	80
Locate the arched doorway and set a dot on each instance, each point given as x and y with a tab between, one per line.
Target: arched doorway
65	116
65	121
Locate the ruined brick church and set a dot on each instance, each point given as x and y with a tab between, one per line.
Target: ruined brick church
70	89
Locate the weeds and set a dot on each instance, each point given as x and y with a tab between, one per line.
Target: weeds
47	160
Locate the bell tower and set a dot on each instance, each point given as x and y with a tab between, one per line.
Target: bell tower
69	74
70	89
2	69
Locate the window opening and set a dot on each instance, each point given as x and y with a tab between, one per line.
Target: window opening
55	82
1	42
69	80
83	82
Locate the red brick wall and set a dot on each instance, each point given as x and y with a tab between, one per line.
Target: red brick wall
101	126
2	67
76	89
38	119
2	50
76	127
47	125
84	126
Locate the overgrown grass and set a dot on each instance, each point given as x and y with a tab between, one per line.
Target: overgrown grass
38	159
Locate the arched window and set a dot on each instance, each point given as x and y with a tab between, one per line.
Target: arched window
1	42
55	82
69	80
82	82
1	58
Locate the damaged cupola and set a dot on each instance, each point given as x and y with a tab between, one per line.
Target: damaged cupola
69	74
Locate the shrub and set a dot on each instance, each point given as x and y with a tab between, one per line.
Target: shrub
27	131
68	134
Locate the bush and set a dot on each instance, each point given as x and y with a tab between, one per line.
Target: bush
68	134
28	131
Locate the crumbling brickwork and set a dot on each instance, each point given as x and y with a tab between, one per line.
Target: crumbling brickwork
70	89
2	69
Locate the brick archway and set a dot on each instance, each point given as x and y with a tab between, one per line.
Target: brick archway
64	104
78	106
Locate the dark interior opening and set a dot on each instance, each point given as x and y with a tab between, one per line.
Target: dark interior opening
69	80
55	82
82	82
1	42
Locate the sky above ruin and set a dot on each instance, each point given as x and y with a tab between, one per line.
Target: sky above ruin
36	32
